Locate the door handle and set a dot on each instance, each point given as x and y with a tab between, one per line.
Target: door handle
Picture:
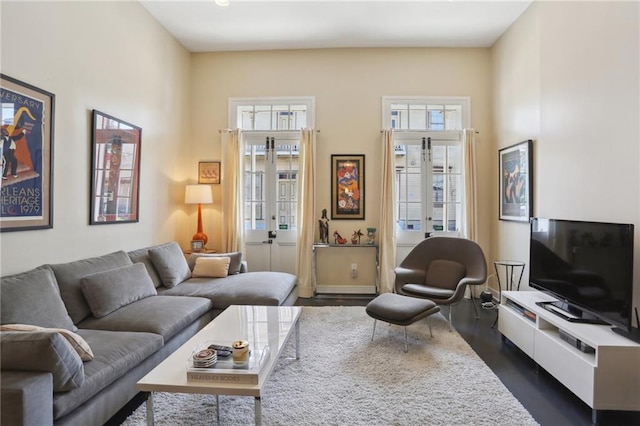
267	242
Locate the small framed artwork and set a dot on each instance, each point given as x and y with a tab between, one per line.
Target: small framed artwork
209	172
26	160
347	186
197	245
516	182
115	171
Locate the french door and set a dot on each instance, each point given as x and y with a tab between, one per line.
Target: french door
271	200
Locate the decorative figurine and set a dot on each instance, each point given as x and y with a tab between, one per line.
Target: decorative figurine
371	235
355	237
338	238
324	227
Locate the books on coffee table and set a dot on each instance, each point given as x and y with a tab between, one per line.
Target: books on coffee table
226	371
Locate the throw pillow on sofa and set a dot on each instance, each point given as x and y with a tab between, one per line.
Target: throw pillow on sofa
235	263
110	290
42	351
68	275
170	264
33	297
211	267
77	342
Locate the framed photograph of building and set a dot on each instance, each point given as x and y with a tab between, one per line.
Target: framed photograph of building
516	182
26	148
209	172
347	187
115	172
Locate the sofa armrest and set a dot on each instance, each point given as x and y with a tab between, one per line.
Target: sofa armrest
26	398
408	276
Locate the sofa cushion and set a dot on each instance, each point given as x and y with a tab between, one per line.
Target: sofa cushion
42	351
250	288
77	342
163	315
170	263
235	263
116	353
70	274
110	290
211	267
142	256
33	297
444	274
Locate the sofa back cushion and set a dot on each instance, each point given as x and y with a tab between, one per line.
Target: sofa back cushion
170	263
110	290
235	263
70	274
43	351
33	297
142	256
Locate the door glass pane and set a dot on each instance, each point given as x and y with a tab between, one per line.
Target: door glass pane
436	117
254	187
454	159
437	218
287	196
453	189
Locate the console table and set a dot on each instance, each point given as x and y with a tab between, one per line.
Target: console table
337	289
605	374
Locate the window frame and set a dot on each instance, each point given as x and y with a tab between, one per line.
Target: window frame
438	137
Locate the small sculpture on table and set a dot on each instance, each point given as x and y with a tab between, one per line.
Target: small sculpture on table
355	237
371	235
324	227
338	238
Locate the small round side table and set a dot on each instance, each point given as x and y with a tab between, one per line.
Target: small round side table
509	267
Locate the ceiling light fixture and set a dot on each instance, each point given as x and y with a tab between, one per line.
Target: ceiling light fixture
223	3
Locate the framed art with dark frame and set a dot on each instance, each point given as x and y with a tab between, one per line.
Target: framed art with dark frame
209	172
347	186
26	200
516	182
115	171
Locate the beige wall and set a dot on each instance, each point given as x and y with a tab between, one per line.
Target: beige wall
114	57
348	85
566	74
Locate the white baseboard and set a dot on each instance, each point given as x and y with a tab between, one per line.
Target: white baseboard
346	289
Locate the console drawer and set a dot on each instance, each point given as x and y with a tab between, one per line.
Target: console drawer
517	329
567	364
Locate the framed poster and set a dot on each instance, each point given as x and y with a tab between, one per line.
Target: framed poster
209	172
115	171
26	148
516	182
347	187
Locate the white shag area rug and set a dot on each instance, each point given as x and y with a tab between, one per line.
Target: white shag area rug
342	378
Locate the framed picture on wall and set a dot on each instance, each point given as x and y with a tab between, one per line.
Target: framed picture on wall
26	200
516	182
209	172
347	186
115	171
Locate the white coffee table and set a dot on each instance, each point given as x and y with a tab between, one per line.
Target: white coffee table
260	325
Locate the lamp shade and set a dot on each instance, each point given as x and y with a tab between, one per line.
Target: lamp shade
198	194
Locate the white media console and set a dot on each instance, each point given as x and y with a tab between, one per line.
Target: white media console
605	374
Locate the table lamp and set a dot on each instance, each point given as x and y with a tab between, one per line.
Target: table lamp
199	194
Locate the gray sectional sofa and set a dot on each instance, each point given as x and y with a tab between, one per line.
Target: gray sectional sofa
76	337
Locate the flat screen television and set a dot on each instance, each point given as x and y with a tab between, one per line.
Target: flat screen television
587	266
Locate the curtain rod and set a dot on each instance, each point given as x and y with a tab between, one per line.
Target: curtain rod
231	130
476	132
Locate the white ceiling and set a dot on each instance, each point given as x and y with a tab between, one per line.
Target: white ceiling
203	26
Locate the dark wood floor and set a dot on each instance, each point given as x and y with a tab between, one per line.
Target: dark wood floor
548	401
